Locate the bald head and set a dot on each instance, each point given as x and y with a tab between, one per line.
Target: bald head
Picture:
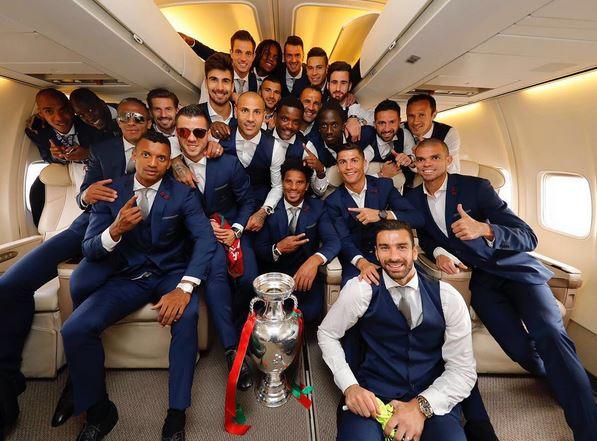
249	111
54	108
434	142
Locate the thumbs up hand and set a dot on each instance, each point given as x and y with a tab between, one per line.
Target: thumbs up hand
467	228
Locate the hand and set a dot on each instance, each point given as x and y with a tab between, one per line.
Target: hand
56	152
369	271
256	221
389	170
352	129
98	191
223	235
360	401
172	306
291	243
447	265
77	153
350	99
33	122
366	215
408	420
182	173
128	217
271	123
467	228
188	40
214	149
402	159
304	277
312	161
220	130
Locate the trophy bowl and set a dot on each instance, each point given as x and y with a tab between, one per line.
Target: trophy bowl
275	341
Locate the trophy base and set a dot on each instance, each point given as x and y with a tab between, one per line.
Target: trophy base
272	393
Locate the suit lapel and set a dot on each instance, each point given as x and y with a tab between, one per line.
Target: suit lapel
281	219
304	217
451	202
210	176
372	195
158	207
127	194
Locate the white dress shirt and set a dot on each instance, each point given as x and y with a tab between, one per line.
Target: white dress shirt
360	112
174	144
308	129
245	84
128	152
290	80
452	140
289	207
216	117
109	244
318	185
259	78
386	147
459	376
359	199
199	169
245	150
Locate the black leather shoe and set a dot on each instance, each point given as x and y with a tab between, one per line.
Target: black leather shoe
178	436
245	380
96	432
479	431
65	407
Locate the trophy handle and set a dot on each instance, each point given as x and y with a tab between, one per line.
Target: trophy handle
294	300
252	303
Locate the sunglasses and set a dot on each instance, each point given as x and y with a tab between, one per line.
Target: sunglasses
138	118
184	133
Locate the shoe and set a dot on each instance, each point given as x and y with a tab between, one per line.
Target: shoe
245	379
9	405
96	432
173	428
479	431
178	436
65	407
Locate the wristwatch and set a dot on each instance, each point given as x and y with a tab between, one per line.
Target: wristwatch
383	214
277	252
425	406
237	232
269	210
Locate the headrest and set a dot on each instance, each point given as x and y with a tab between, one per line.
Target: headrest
55	175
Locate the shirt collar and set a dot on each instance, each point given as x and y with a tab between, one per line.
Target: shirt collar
127	145
157	129
202	161
138	186
429	133
382	142
443	187
238	77
308	129
297	76
391	283
288	205
72	131
256	139
213	114
287	142
352	193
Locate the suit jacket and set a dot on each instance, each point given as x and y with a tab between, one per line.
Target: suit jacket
513	237
355	237
160	241
106	161
228	190
86	135
299	84
313	221
259	168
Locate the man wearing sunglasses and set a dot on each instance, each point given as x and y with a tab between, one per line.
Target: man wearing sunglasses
225	191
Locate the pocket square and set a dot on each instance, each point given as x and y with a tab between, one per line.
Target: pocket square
174	216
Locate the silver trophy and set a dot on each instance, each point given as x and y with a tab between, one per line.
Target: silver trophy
275	341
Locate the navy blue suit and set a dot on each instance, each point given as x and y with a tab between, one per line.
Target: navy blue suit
508	288
19	283
359	239
259	168
228	192
299	84
175	240
315	223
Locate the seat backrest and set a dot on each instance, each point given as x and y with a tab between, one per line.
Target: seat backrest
472	168
60	208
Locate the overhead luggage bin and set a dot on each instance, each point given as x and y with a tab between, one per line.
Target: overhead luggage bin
113	47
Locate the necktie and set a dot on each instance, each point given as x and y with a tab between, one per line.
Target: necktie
143	202
130	165
294	215
404	306
240	84
292	80
66	140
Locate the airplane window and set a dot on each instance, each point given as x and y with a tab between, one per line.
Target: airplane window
506	191
566	204
31	175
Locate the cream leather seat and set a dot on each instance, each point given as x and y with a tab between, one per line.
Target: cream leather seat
490	357
137	341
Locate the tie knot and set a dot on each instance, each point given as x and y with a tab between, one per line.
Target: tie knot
294	210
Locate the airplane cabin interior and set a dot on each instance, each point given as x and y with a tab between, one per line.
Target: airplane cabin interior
517	79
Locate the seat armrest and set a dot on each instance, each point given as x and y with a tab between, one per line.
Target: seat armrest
571	275
11	252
